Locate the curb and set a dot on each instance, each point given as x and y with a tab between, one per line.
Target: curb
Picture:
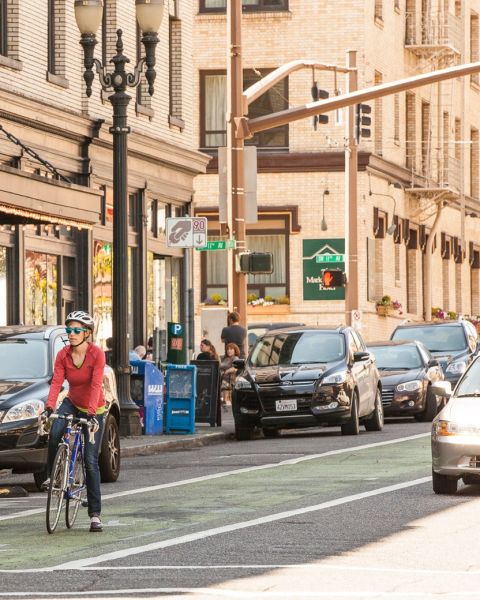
166	445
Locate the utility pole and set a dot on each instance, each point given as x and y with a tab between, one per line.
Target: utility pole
351	217
237	294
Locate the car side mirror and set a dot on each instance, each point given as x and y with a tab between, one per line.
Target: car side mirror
433	363
239	363
358	356
442	388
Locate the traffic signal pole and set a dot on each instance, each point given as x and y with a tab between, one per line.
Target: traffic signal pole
351	208
237	294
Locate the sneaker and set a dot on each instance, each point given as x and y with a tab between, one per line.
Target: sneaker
95	523
45	485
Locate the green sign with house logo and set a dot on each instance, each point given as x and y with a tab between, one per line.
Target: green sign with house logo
319	255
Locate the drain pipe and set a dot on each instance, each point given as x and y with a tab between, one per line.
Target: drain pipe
427	290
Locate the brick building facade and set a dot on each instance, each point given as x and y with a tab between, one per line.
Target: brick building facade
422	159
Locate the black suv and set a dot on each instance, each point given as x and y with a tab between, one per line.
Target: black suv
452	343
27	356
307	377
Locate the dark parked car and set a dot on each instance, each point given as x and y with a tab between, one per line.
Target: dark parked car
307	377
256	330
27	356
452	343
407	371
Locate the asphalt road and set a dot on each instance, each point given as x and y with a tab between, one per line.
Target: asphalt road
308	515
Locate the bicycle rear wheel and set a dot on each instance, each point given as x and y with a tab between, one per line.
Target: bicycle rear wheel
56	490
76	491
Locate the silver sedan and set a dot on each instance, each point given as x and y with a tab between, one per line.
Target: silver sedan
456	433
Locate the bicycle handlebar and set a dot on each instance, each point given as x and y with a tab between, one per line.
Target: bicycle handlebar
71	419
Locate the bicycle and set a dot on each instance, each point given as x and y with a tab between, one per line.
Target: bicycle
67	479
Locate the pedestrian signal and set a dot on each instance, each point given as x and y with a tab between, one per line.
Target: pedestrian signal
333	278
318	94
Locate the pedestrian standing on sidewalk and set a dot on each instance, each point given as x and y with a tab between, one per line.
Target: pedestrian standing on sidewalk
207	351
81	363
228	372
234	333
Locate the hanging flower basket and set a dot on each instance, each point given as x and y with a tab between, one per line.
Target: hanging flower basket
384	310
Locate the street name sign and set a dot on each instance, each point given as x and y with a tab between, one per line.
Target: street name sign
186	232
219	245
330	258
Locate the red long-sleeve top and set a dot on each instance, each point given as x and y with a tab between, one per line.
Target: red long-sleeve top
85	382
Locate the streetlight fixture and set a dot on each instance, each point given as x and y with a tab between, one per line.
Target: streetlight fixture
324	226
88	14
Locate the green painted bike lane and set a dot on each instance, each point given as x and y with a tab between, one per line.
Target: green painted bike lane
175	511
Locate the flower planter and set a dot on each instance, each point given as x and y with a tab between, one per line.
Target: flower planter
383	310
271	309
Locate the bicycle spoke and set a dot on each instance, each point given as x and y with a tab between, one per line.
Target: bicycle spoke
76	491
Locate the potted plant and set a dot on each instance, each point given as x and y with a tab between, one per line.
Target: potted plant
384	306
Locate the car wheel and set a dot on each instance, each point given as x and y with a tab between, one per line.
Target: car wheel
243	433
471	479
430	410
270	433
109	460
375	421
39	477
352	426
443	484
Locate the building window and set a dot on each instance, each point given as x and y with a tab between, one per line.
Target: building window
3	285
52	5
3	28
379	9
214	266
213	106
41	283
247	5
175	67
56	47
426	132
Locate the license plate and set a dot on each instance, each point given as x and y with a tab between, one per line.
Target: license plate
284	405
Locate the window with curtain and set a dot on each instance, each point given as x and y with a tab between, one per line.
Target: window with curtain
213	102
248	5
274	285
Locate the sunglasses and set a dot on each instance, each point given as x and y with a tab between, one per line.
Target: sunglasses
75	330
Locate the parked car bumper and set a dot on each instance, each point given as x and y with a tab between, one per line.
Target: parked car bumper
21	449
456	455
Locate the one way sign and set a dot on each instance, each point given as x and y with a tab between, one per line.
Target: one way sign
187	232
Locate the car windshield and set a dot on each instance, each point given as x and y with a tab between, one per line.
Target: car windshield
23	359
397	357
469	385
437	339
298	348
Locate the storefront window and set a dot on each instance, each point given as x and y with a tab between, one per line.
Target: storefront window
40	289
102	291
3	285
156	309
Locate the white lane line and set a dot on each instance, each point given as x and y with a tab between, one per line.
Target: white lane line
291	461
225	593
200	535
313	566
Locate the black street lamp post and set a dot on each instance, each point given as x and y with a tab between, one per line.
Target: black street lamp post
88	14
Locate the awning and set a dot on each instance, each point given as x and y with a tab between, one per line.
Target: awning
30	199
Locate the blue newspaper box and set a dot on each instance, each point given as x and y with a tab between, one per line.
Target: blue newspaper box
147	389
181	392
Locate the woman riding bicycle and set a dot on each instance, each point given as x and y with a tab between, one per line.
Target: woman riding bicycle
81	363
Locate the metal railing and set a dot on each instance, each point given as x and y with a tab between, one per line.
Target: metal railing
441	30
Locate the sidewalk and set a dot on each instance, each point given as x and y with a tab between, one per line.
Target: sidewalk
204	435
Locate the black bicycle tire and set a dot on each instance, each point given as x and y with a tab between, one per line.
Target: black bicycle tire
71	507
60	465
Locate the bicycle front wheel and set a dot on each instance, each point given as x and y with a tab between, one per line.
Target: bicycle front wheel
56	490
76	491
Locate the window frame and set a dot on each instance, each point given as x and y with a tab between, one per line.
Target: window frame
285	231
203	74
261	7
4	27
51	58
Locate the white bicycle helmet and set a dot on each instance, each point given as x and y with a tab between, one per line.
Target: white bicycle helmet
82	317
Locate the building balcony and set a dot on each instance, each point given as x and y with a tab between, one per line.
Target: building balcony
429	35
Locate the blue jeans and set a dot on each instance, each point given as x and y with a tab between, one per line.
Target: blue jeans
91	452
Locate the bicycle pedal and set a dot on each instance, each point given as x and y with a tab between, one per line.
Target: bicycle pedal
84	503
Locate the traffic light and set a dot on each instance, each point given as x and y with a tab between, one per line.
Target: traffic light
333	278
255	262
363	121
318	94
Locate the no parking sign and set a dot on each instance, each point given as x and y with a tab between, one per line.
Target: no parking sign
357	319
